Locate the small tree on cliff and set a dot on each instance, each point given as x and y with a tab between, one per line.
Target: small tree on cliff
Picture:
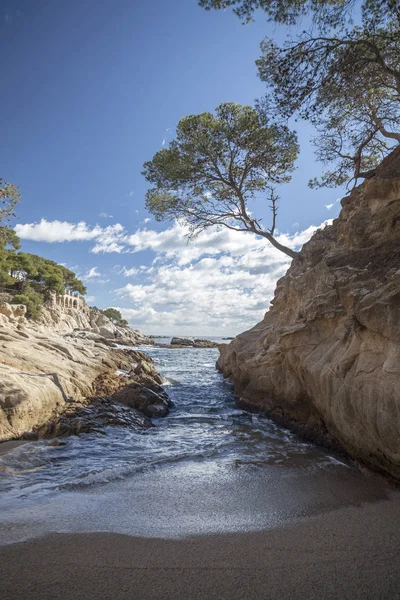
115	316
9	197
216	164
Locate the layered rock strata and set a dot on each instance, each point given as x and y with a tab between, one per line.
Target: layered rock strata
326	357
67	320
46	376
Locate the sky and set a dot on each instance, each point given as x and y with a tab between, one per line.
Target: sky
91	90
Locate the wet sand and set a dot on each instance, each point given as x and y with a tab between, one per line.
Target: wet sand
351	553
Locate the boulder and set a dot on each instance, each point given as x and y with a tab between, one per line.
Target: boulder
144	399
93	418
201	343
196	343
13	311
177	341
145	370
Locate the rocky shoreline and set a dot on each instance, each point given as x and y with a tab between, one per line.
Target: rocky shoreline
125	399
325	360
63	377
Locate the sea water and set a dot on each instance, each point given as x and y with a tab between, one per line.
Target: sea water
207	467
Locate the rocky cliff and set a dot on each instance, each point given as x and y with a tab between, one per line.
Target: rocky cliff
65	320
326	357
59	363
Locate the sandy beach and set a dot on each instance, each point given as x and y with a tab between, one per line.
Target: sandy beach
349	553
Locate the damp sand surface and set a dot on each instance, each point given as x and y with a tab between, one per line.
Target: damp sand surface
350	553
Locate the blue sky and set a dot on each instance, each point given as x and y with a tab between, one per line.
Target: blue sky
90	91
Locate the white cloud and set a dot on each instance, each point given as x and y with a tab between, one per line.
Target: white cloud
107	239
125	271
90	298
301	237
330	206
144	222
173	243
107	245
57	231
105	215
214	295
93	276
63	231
219	282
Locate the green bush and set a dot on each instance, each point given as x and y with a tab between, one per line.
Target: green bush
32	300
34	278
115	316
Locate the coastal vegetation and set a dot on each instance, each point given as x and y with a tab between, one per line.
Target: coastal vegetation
113	314
9	198
28	278
217	164
284	11
342	75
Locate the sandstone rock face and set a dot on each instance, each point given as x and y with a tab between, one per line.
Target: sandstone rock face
67	320
326	357
118	398
48	367
12	313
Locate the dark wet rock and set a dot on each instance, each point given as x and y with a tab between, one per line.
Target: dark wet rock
154	411
149	382
177	341
201	343
101	413
55	443
106	384
142	398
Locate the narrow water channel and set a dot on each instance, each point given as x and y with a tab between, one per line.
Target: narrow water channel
207	467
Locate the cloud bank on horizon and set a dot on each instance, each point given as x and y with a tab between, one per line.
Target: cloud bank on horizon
219	283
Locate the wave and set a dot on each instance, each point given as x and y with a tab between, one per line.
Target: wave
114	474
